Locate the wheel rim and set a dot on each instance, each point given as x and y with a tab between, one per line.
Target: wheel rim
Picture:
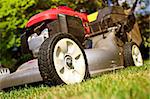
4	71
69	61
136	55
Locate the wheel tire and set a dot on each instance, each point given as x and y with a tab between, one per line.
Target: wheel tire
50	68
132	55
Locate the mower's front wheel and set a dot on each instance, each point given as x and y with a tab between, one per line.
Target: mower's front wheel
132	55
62	60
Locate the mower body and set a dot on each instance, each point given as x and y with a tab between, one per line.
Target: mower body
98	33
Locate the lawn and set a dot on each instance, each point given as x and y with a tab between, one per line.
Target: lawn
129	83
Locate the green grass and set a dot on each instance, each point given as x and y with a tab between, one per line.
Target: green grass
128	83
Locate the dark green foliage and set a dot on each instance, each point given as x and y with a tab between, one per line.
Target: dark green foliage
13	14
145	32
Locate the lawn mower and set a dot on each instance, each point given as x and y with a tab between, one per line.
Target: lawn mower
69	46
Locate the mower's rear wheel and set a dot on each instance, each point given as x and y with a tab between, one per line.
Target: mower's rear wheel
62	60
132	55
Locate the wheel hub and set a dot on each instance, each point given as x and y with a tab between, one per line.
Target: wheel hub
68	61
137	57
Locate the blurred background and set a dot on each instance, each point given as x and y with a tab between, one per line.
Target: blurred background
14	14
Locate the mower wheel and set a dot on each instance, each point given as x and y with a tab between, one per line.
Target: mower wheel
62	60
132	55
4	71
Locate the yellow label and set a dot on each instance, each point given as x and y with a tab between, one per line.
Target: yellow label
92	17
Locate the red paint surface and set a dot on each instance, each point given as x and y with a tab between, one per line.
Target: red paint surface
52	15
